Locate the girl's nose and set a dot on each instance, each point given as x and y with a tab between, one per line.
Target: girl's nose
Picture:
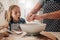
18	14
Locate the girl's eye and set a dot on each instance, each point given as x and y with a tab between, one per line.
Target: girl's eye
18	12
15	12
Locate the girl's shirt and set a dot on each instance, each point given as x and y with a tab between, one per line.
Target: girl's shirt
16	25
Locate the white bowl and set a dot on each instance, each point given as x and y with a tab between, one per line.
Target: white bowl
32	27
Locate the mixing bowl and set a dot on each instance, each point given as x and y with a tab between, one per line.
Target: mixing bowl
32	27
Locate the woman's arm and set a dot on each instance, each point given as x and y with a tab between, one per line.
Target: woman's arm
36	8
33	11
51	15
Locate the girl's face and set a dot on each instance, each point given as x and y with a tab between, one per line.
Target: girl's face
16	13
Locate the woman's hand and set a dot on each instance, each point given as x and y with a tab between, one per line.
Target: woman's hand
36	17
30	17
39	17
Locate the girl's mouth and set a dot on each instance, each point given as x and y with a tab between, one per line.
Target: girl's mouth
18	17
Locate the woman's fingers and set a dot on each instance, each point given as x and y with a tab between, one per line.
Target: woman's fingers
33	17
38	17
30	17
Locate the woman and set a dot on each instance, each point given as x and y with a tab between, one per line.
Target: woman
51	15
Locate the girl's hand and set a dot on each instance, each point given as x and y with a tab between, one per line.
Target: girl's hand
3	30
1	27
6	24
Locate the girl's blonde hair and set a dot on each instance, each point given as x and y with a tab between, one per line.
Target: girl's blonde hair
9	12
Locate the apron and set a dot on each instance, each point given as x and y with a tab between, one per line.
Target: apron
53	25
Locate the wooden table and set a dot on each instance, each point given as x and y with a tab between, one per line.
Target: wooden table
18	37
25	37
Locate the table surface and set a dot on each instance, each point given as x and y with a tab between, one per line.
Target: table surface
24	36
19	37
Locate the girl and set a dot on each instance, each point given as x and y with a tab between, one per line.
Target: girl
13	16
